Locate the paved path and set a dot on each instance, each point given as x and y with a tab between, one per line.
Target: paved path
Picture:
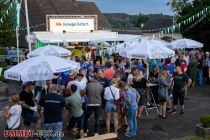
175	126
153	128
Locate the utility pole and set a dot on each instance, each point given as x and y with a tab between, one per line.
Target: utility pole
27	24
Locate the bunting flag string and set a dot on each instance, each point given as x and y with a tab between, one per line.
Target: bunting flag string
22	29
193	25
6	12
203	13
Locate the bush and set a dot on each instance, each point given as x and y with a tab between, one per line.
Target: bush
2	79
205	120
3	64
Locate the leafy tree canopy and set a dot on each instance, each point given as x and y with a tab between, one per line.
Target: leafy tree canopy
7	39
187	8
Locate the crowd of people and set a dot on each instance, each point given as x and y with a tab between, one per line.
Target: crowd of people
117	89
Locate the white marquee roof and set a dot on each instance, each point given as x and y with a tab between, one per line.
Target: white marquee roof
48	37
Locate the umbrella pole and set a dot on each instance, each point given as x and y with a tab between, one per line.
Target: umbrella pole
45	84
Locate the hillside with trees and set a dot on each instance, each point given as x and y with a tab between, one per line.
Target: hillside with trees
122	20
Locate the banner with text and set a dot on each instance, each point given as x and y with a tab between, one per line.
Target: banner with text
71	23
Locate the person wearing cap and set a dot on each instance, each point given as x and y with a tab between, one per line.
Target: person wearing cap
206	70
29	106
93	92
71	77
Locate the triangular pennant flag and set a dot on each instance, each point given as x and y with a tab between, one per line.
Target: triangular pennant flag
7	12
11	5
174	27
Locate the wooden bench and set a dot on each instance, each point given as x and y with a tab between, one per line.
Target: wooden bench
102	137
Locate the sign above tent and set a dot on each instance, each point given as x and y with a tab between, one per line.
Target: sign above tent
72	23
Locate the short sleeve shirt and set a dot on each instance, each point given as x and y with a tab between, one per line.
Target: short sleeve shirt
28	99
132	95
180	81
14	120
53	105
140	84
74	103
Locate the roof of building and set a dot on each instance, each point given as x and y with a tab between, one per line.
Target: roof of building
158	21
38	9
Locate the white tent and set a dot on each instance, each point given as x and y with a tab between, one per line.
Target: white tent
48	37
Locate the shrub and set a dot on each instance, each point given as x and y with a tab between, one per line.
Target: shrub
3	79
205	120
3	64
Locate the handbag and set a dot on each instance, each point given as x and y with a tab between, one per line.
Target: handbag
116	102
7	128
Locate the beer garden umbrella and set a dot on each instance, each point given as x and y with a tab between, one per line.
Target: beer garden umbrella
185	43
49	50
38	68
148	49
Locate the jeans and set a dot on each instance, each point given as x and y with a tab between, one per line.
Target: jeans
90	110
200	77
56	128
132	122
76	120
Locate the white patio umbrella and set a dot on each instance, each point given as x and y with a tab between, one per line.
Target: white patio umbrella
124	47
38	68
49	50
185	43
148	49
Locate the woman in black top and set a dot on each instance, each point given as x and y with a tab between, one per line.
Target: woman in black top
141	84
153	78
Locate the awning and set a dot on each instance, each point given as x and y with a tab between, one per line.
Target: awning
48	37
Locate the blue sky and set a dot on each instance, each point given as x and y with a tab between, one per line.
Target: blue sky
133	6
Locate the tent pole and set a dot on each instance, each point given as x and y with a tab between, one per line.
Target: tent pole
27	24
17	39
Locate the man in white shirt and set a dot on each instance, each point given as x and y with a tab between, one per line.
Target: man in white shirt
77	82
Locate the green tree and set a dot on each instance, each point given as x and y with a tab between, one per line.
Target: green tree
187	8
7	38
141	19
